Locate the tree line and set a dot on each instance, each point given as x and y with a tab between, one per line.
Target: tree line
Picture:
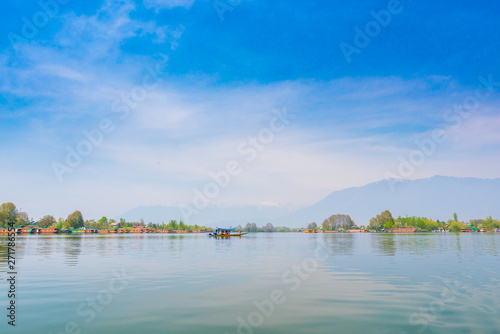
385	221
381	222
252	227
9	213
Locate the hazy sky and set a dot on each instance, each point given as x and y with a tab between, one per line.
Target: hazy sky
170	91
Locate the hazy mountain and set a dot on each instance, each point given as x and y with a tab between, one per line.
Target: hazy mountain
437	197
222	216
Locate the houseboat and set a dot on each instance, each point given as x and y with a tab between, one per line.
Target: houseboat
48	230
78	231
355	230
5	230
404	230
27	230
138	230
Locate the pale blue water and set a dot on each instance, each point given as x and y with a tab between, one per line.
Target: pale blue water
352	283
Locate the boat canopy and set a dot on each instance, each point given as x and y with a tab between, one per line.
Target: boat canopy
225	229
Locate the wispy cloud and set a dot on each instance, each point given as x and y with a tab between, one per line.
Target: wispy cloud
168	4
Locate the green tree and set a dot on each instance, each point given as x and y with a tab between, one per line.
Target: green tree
251	227
46	221
8	214
495	223
338	222
389	224
172	225
312	226
182	226
268	228
430	225
418	222
74	220
22	218
488	222
378	223
455	217
456	226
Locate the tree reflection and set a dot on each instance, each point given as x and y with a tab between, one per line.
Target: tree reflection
384	244
72	249
339	243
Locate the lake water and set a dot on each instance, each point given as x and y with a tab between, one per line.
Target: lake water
261	283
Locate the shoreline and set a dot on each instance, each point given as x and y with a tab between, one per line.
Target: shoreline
115	232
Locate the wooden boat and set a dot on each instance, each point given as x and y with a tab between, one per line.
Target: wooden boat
226	233
27	230
5	230
310	231
48	230
77	231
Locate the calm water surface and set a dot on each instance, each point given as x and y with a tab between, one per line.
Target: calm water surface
261	283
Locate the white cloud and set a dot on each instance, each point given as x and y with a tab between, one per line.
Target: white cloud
62	71
168	4
477	131
102	34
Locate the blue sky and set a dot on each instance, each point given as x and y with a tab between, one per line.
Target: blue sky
216	82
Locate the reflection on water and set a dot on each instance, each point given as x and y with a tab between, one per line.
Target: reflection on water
340	244
72	249
345	283
385	245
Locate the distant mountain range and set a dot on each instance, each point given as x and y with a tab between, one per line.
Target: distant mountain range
437	197
221	216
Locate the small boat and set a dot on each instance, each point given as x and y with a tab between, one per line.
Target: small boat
226	233
311	230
